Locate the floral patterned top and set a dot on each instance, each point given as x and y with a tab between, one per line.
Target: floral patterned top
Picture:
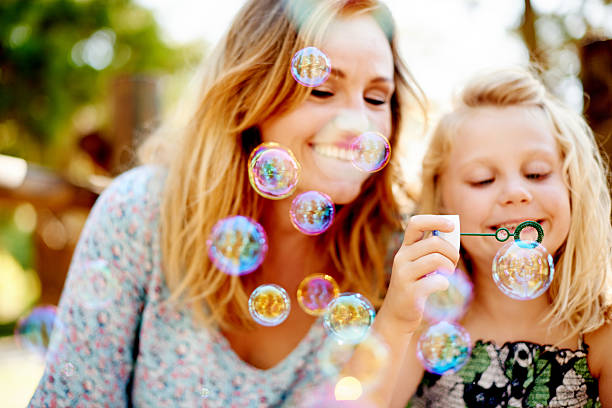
118	344
517	374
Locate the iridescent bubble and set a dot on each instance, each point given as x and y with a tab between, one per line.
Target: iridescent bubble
444	347
523	269
312	212
237	245
97	287
273	171
33	331
451	303
367	367
371	152
269	305
68	370
349	317
310	67
316	292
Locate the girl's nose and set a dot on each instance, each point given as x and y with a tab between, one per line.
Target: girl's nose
515	191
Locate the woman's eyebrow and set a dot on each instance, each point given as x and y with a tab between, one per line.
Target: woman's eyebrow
340	74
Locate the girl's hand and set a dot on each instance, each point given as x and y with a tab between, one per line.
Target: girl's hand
413	278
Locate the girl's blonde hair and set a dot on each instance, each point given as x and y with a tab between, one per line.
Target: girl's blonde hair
581	289
245	81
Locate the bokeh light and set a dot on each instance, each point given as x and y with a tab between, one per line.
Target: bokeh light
348	389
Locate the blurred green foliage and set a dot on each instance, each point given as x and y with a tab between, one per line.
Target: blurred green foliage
59	55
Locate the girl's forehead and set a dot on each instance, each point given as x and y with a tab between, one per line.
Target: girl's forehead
502	131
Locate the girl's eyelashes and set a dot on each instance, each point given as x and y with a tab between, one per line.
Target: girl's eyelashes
323	94
481	183
536	176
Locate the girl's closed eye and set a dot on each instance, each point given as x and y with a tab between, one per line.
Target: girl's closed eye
537	176
480	183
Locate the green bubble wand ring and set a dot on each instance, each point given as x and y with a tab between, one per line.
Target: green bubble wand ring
502	234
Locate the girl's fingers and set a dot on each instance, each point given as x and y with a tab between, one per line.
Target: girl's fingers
425	265
419	224
427	246
429	284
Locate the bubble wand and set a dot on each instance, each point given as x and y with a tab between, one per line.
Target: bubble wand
502	234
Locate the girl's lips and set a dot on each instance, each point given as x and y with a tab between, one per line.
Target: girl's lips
511	225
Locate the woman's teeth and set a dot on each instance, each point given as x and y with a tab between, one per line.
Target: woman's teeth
334	152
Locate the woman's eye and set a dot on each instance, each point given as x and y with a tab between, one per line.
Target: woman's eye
321	94
375	101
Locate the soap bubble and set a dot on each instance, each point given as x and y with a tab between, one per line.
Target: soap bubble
349	317
273	171
367	367
310	67
371	152
97	287
523	269
444	347
312	212
316	292
33	331
450	304
237	245
269	305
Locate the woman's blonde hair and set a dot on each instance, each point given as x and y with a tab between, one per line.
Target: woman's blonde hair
245	81
581	289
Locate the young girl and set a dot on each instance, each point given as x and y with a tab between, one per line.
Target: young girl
511	152
146	319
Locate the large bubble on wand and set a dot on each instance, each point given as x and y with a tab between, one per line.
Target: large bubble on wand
310	67
273	171
312	212
371	152
444	348
269	305
237	245
523	269
349	317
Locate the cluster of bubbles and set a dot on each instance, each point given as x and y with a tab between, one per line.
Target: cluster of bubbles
445	346
237	245
522	269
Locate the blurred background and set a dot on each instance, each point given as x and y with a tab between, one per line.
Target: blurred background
83	81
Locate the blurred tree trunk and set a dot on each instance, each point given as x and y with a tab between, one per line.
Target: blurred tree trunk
596	77
528	33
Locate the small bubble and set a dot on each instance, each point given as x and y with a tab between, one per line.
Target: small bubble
371	152
451	303
349	317
316	292
34	330
312	212
273	171
269	305
444	347
310	67
237	245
